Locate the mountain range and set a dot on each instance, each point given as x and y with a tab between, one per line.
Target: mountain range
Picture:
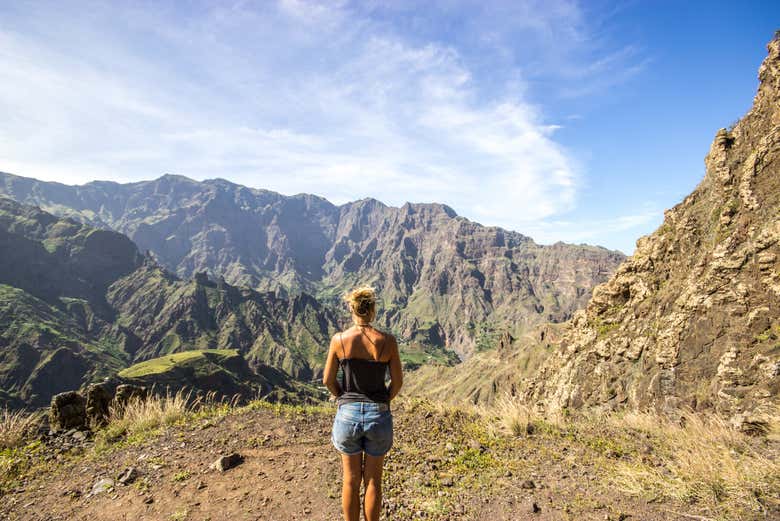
78	304
435	271
228	267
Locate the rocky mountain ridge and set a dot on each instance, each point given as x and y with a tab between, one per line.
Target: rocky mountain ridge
435	271
78	304
693	317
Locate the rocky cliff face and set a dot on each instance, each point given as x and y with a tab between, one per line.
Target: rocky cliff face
437	272
693	318
448	281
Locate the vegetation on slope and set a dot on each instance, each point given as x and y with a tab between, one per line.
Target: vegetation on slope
500	462
163	364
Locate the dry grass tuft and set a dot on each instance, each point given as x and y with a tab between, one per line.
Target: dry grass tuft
142	416
510	416
16	427
703	459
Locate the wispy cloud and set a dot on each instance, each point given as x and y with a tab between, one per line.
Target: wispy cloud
623	230
339	99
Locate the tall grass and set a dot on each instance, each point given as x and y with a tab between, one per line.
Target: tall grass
141	416
16	427
509	415
699	458
704	460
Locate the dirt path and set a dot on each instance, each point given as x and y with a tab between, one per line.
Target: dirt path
436	470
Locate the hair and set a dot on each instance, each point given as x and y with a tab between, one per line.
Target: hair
362	302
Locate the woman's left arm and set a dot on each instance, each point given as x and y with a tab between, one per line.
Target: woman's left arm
396	369
331	368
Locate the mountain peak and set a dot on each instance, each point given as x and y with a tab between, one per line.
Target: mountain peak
176	177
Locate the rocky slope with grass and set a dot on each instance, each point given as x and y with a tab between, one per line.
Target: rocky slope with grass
223	374
78	304
57	329
436	272
492	375
162	459
693	317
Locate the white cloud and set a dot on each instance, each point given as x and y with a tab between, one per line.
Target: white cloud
294	97
622	231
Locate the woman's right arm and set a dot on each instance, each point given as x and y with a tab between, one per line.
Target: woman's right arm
331	369
396	370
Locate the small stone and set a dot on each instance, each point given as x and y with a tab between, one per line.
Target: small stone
449	447
447	482
227	462
128	476
102	485
72	493
534	508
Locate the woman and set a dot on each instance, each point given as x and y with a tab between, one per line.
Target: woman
363	427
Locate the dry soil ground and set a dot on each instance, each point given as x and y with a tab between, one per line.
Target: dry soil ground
441	467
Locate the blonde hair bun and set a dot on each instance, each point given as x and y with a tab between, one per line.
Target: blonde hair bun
362	301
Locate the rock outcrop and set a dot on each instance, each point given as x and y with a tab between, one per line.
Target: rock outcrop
693	317
68	411
98	404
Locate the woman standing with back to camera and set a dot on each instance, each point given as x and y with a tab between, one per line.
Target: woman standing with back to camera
363	427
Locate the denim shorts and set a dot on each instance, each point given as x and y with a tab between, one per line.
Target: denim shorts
363	427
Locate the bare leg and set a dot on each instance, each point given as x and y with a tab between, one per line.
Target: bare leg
372	479
350	490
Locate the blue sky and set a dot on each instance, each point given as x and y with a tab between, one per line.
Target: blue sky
563	120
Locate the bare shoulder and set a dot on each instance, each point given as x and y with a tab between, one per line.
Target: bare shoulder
390	340
336	339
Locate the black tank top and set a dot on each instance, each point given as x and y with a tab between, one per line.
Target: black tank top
363	380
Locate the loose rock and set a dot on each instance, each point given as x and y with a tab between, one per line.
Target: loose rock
128	476
98	400
102	485
228	462
68	411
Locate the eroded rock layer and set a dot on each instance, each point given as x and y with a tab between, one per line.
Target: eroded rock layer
692	318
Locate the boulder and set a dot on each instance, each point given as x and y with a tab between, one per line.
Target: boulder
68	411
127	392
98	400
